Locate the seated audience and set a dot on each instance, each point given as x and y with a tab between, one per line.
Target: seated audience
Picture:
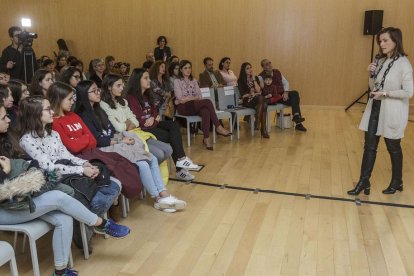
126	144
4	78
174	73
44	145
251	94
209	77
71	76
142	104
7	101
109	64
78	64
41	82
189	102
52	206
172	59
162	52
98	67
61	61
229	77
122	118
290	98
149	60
160	84
50	65
19	91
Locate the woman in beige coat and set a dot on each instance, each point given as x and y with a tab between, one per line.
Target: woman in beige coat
386	114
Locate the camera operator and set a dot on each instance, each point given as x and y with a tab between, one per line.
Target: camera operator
12	60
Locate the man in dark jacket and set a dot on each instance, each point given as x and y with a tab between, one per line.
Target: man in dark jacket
12	57
210	77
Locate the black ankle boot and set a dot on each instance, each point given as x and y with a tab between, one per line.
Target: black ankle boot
361	185
395	185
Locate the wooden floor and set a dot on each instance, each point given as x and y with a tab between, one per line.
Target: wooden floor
234	232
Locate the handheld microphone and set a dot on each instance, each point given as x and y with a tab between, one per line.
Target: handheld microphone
376	59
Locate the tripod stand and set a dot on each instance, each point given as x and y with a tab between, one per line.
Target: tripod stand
368	90
29	65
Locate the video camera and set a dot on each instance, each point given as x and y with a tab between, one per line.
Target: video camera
26	39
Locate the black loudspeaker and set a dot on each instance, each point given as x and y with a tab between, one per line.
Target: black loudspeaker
373	22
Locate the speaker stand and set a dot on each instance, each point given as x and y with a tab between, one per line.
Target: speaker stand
368	90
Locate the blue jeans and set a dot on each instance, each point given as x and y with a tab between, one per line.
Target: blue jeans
58	209
151	176
104	198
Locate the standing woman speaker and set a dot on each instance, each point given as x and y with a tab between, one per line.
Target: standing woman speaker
386	114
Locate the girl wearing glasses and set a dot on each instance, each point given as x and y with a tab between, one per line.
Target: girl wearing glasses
125	143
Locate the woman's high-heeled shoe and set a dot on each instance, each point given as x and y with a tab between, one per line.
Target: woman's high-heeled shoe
208	146
362	185
225	135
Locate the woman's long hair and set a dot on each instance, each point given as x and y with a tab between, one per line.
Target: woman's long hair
16	89
134	87
31	109
242	81
56	93
155	69
35	88
396	37
9	143
84	108
107	82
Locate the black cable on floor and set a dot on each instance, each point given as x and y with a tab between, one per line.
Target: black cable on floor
306	196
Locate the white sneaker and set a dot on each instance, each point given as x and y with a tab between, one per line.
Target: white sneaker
186	163
168	210
184	175
170	202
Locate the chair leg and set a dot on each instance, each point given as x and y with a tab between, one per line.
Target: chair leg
84	240
123	205
231	127
214	134
13	266
238	126
188	135
127	205
35	261
268	121
24	243
252	124
282	119
16	234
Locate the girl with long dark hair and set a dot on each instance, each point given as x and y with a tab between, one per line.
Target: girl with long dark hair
140	98
251	94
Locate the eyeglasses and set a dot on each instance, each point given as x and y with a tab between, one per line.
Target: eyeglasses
96	91
49	109
78	77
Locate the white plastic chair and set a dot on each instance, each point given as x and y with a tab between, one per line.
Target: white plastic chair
7	255
234	92
34	230
275	107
